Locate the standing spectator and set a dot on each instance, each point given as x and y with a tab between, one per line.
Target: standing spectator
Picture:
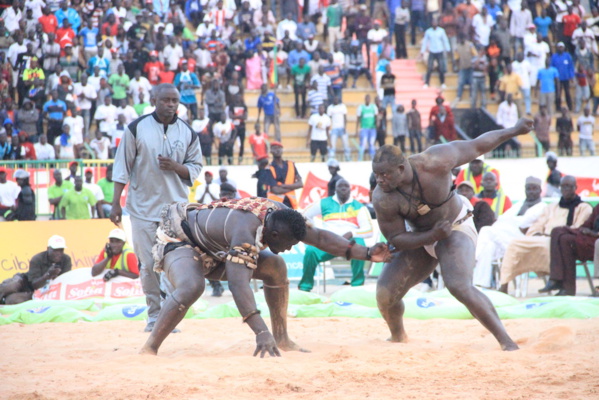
238	112
519	22
479	86
107	186
366	127
203	129
85	100
323	83
284	178
119	83
287	25
187	82
449	22
44	150
54	111
269	102
414	128
570	23
542	125
586	127
215	101
361	26
101	146
338	114
400	127
583	90
74	204
154	184
507	113
417	18
482	24
258	143
334	168
436	43
224	133
388	86
522	68
139	85
96	191
464	53
57	191
333	71
24	208
301	75
564	128
562	61
510	83
318	134
305	29
9	191
443	126
105	115
334	17
63	144
402	19
381	122
26	119
208	192
375	36
547	82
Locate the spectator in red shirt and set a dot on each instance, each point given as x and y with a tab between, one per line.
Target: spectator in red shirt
166	76
153	68
571	22
110	27
27	149
48	21
191	62
65	35
494	197
259	143
117	257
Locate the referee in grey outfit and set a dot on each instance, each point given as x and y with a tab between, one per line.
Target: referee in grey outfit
160	157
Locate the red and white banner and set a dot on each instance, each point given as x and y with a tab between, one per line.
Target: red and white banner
79	284
316	189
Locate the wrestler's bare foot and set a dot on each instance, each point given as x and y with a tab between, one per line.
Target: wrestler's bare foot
511	346
398	339
289	345
147	350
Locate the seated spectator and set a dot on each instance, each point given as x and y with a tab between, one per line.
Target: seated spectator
482	215
118	257
43	268
443	127
567	246
493	240
63	144
344	216
493	195
356	66
44	150
101	146
531	253
74	204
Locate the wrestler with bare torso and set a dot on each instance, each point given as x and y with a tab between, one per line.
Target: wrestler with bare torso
417	190
235	241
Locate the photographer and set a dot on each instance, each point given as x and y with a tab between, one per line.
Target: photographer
118	257
44	267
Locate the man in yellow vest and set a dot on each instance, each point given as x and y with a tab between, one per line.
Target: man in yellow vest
493	196
474	172
284	179
117	257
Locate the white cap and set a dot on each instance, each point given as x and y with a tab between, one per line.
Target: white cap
21	174
57	242
117	234
333	163
481	157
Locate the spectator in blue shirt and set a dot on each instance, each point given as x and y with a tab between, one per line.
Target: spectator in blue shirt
416	18
493	9
90	39
305	28
270	104
543	23
436	42
562	61
547	82
187	82
252	42
99	61
54	110
297	53
64	12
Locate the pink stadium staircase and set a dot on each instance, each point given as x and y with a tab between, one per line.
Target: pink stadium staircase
409	85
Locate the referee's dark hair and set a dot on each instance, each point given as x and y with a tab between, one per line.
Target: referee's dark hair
163	86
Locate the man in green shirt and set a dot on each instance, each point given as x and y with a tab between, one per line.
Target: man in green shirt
366	123
119	83
139	108
75	202
301	75
56	191
107	186
334	17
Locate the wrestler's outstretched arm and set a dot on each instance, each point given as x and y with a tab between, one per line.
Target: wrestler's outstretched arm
461	152
338	246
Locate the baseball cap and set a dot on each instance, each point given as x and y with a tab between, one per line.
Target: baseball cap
276	143
561	44
154	53
333	163
57	242
550	155
377	21
117	234
466	183
208	173
73	163
20	174
89	170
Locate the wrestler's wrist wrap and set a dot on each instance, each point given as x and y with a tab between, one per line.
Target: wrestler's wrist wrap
348	251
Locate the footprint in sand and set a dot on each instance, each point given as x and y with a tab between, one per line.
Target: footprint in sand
554	339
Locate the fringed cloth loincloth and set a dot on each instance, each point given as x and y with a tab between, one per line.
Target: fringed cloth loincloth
173	232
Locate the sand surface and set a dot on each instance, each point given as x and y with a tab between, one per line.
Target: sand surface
350	359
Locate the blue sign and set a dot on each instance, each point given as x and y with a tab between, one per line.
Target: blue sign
133	311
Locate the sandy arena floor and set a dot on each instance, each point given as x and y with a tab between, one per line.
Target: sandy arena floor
350	359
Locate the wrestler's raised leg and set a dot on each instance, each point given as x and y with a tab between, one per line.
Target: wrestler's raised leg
182	268
456	256
406	269
272	270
